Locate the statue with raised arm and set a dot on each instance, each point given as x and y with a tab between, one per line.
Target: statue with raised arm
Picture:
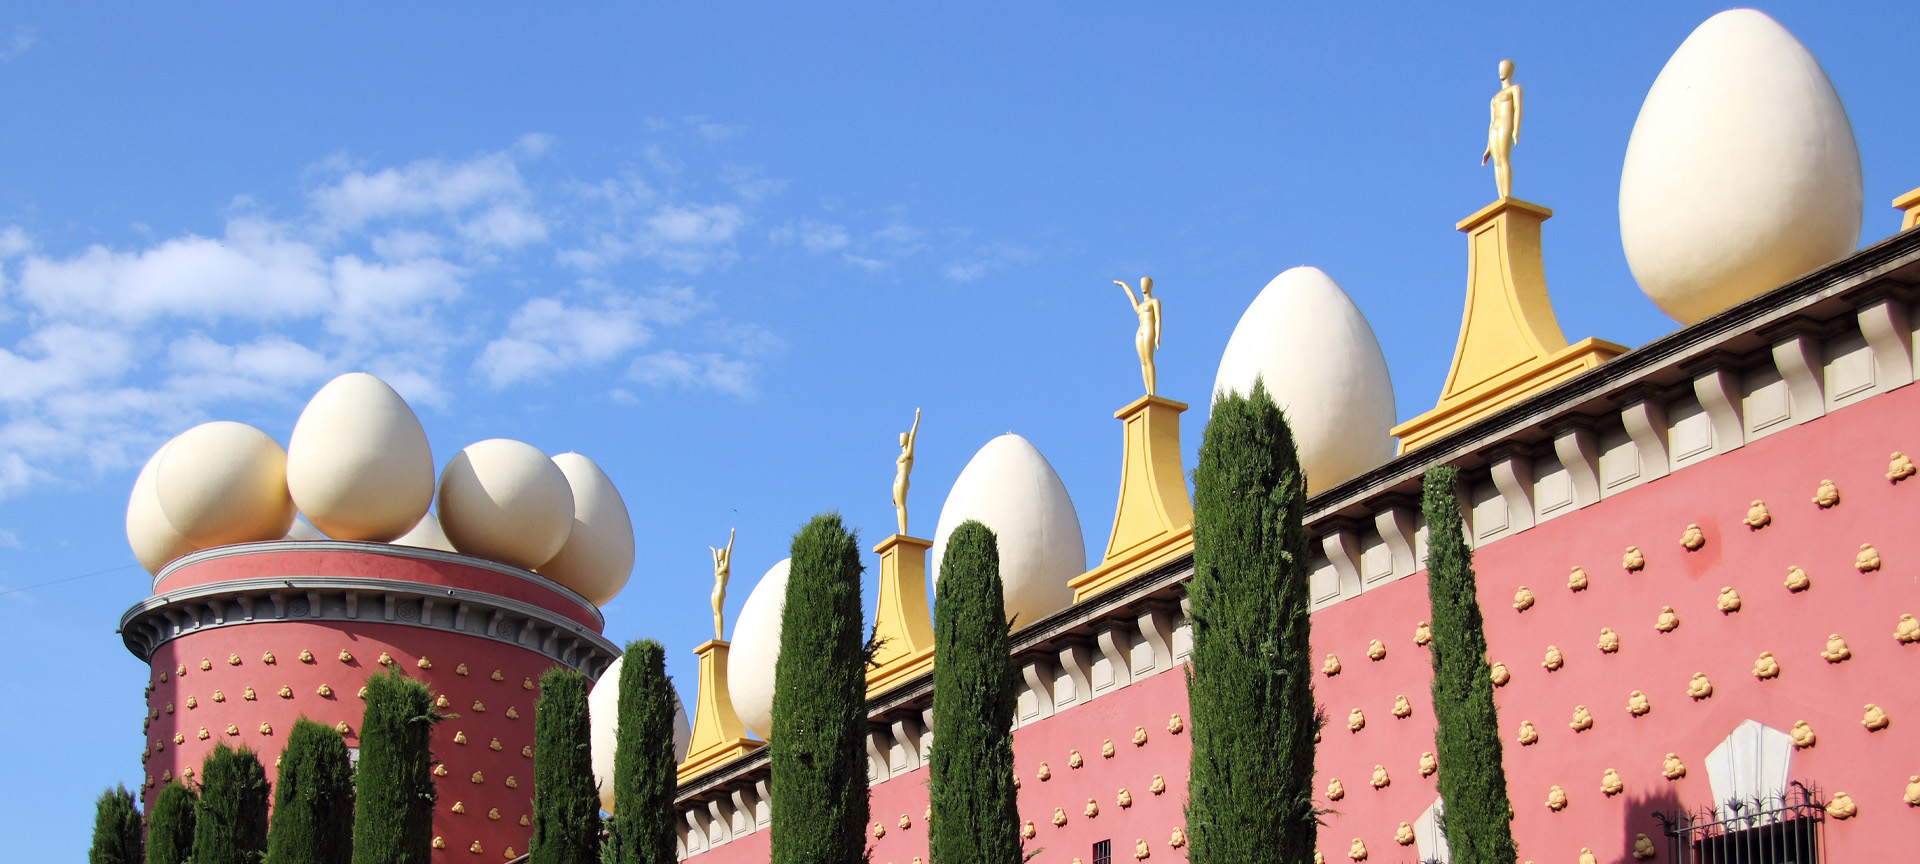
722	567
1503	130
1146	338
902	466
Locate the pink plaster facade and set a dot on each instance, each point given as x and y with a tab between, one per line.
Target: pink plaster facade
1850	446
200	681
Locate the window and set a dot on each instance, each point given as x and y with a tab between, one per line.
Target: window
1765	829
1103	852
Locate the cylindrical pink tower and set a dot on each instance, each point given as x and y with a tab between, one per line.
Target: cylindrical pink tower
243	640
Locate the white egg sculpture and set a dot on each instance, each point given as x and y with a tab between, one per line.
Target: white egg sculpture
224	482
1742	172
426	534
603	714
358	465
507	501
598	555
1011	488
154	540
302	530
1320	362
756	646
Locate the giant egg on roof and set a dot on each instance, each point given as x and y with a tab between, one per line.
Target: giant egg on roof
598	555
1320	362
507	501
1012	489
756	646
603	715
154	540
426	534
224	482
1741	173
358	464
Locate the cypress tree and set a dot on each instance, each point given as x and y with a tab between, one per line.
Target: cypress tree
393	787
231	827
975	816
313	799
644	772
566	804
1473	781
817	754
170	825
1250	686
116	830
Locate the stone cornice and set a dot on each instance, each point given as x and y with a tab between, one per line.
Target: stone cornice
313	599
383	549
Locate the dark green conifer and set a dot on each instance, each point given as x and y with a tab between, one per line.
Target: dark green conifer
818	751
1473	782
116	830
231	827
170	825
393	786
312	799
975	816
641	830
566	804
1250	687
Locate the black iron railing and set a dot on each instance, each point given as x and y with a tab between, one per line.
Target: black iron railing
1785	828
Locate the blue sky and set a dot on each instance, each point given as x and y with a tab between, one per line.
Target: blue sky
727	250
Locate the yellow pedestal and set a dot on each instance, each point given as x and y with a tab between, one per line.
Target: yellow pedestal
1910	203
718	736
1510	346
1153	522
900	619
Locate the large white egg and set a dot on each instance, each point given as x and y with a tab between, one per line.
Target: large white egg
302	530
426	534
358	464
224	482
1742	172
603	714
598	555
756	646
1010	487
154	540
1321	364
507	501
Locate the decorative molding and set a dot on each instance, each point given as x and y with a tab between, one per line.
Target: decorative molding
382	549
164	617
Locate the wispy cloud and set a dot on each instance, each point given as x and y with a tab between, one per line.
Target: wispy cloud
698	370
19	42
401	270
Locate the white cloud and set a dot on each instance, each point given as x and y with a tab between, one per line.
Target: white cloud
255	272
14	241
546	336
986	259
507	226
390	301
697	370
20	42
490	182
262	369
691	238
62	357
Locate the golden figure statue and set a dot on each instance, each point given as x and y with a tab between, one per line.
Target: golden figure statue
722	567
1503	131
902	466
1146	339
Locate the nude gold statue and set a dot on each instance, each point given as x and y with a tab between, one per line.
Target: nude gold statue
1146	338
1503	130
722	568
902	466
